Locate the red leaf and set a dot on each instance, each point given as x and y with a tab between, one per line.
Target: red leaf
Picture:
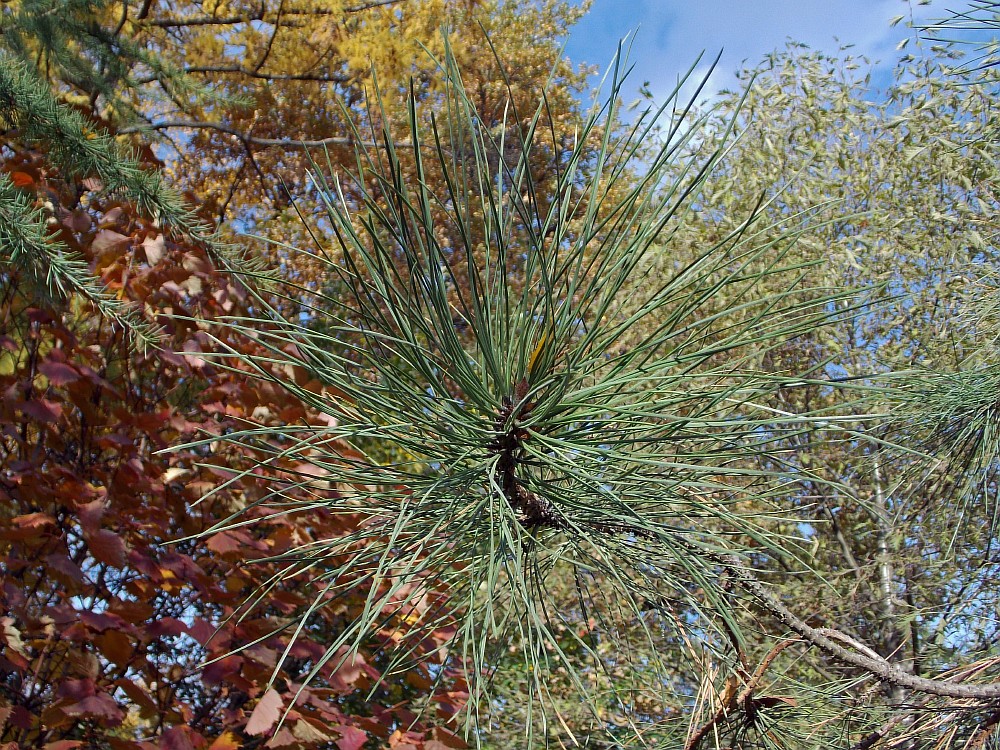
22	179
99	706
444	738
147	707
78	221
176	738
58	373
32	520
76	689
41	410
116	743
223	542
106	547
283	738
21	718
166	626
90	514
266	714
117	647
63	745
217	671
351	738
112	217
27	527
154	247
134	612
61	564
347	674
201	630
101	621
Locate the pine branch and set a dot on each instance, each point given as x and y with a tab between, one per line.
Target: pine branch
25	246
81	150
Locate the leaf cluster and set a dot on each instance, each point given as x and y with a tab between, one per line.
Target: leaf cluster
113	631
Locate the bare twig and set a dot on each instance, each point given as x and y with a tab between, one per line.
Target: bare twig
252	139
171	23
744	698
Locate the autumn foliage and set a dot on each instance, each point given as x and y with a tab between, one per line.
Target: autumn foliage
122	628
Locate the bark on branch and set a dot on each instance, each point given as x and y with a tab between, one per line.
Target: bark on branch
171	23
244	137
877	667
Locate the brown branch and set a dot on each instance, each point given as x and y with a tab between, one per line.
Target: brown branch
507	445
252	73
845	548
170	23
880	733
270	41
877	667
987	728
252	139
825	638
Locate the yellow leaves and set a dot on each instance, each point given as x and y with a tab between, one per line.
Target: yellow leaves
391	40
412	617
216	8
170	583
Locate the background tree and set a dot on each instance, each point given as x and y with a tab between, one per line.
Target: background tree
901	205
238	133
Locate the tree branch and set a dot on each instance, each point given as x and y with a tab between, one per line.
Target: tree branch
252	139
877	667
170	23
251	73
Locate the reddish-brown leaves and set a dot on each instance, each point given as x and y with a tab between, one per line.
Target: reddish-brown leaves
22	179
266	713
106	547
114	633
226	741
351	738
58	373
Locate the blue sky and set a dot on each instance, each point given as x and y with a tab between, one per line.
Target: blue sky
671	33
